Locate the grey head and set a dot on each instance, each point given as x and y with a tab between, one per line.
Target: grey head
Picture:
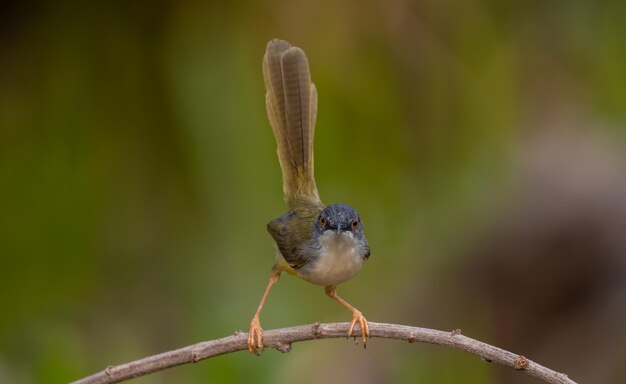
342	218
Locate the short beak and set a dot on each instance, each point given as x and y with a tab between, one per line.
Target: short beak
338	229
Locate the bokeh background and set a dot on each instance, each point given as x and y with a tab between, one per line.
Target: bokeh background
482	142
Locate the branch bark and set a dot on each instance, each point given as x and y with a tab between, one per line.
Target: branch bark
281	339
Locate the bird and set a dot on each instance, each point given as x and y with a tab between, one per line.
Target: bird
324	245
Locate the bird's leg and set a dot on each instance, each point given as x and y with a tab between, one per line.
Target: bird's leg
357	316
255	336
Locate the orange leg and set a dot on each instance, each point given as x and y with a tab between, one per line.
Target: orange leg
255	336
357	316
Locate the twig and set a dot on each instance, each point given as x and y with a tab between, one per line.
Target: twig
281	339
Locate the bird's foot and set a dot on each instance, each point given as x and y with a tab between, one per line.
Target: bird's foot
357	317
255	336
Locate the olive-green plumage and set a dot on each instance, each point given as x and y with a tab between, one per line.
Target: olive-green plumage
291	102
322	245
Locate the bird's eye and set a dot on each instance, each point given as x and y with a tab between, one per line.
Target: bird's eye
322	221
355	223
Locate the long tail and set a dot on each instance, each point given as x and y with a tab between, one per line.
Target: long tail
291	101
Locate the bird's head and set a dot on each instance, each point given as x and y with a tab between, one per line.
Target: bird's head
340	218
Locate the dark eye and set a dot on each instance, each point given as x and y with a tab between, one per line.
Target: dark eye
322	221
355	223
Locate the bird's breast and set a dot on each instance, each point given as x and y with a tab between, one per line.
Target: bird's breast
336	258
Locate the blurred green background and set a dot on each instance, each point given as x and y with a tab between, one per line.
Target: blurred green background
482	143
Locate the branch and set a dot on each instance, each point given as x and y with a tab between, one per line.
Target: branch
281	339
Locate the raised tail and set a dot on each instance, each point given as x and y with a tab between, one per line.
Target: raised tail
291	101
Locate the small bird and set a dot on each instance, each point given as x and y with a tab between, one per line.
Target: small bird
324	245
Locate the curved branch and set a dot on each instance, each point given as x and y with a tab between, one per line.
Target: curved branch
281	339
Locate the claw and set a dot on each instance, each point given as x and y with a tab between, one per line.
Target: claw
357	317
255	337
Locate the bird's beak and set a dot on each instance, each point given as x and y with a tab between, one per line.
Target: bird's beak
338	229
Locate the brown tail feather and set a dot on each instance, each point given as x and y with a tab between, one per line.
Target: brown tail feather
291	101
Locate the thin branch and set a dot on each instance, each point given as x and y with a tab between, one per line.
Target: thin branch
281	339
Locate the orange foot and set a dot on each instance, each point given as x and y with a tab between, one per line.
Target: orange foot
255	336
357	317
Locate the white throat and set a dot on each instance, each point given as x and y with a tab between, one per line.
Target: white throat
339	259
